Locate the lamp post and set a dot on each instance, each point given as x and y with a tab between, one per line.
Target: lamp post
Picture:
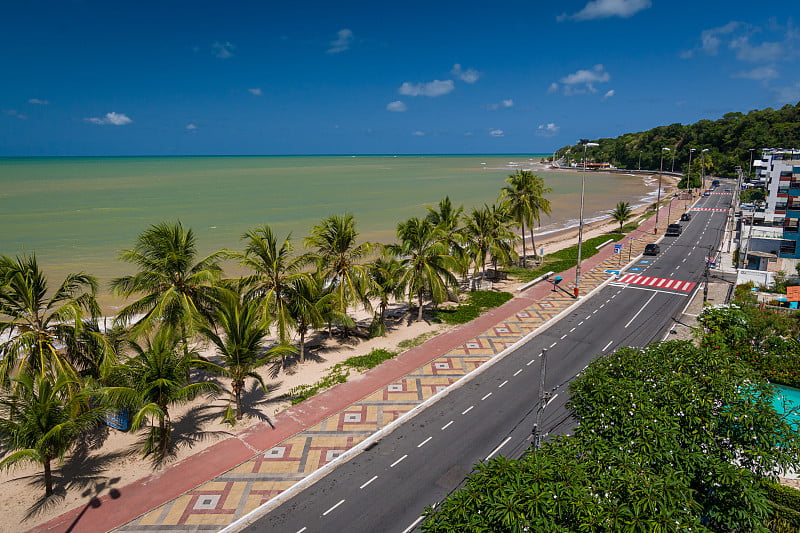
585	144
750	170
673	162
703	153
658	200
689	171
640	160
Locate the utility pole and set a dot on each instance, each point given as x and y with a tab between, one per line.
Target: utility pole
708	267
544	396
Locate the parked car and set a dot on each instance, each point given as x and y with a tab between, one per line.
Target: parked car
651	249
706	193
673	230
686	216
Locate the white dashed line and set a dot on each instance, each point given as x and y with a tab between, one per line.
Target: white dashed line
332	508
423	443
468	409
368	482
497	449
529	363
517	372
301	530
446	425
581	322
573	329
486	396
413	525
564	336
607	345
503	383
553	344
397	462
588	317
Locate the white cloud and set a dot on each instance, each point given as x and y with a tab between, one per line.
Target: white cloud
609	94
759	73
114	119
497	133
38	101
548	130
600	9
508	103
469	76
504	103
433	88
710	40
396	107
222	50
15	113
191	127
256	91
418	134
342	42
787	94
767	51
582	81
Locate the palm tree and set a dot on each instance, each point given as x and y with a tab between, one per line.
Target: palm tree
485	233
622	213
447	221
274	270
150	382
177	289
42	419
41	330
517	197
312	305
386	275
425	262
539	205
339	259
241	345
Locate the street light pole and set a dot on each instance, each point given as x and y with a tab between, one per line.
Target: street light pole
689	171
640	160
658	200
750	170
703	153
585	144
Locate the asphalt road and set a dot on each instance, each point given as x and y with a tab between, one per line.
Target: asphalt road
386	487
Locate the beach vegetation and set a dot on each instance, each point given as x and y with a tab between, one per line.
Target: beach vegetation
152	380
407	344
425	262
476	302
47	331
43	418
524	199
386	274
175	287
487	236
238	331
621	214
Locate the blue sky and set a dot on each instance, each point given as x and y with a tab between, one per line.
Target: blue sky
180	77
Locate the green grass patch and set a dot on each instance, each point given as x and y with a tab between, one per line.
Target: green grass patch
371	360
476	303
563	259
416	341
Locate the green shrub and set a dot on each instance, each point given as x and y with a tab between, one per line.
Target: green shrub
477	302
783	495
488	299
371	360
337	375
416	341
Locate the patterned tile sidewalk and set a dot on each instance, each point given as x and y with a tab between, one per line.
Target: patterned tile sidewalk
268	467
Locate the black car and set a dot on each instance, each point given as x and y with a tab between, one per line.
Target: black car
686	216
673	230
651	249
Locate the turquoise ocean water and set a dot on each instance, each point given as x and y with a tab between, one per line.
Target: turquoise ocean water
79	213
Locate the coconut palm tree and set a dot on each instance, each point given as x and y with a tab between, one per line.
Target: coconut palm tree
151	382
240	345
274	268
42	419
539	205
42	329
312	305
386	274
176	289
622	213
339	258
425	262
485	232
516	196
447	220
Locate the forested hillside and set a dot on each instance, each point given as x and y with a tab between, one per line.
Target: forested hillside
728	140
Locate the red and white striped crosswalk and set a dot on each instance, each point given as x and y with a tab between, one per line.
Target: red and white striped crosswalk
657	283
709	209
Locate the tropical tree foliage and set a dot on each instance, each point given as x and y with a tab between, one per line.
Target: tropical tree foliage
622	213
386	274
47	332
672	437
486	234
43	419
524	200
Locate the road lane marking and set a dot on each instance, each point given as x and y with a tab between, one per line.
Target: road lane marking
413	525
486	396
497	449
368	482
593	312
503	383
468	409
587	317
553	344
301	530
396	462
332	508
602	306
516	373
640	310
581	322
529	363
564	336
607	345
573	329
423	443
446	425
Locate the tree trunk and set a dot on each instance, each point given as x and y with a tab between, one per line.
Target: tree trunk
524	263
419	313
533	243
237	385
165	439
302	332
48	477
